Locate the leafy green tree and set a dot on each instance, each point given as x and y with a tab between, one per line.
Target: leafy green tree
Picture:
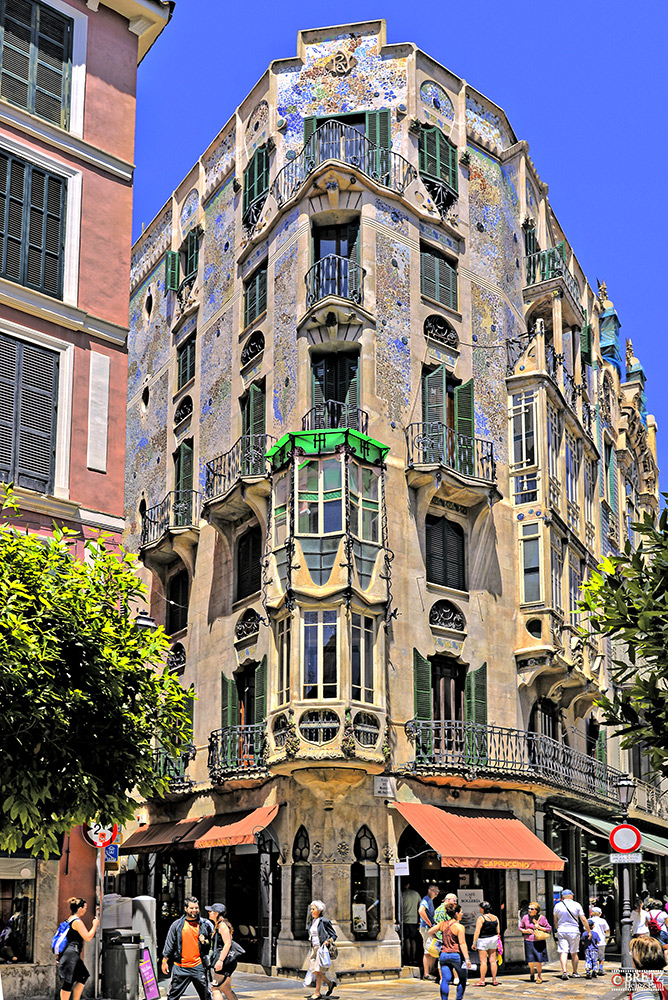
84	692
627	601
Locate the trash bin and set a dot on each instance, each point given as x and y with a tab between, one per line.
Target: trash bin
120	964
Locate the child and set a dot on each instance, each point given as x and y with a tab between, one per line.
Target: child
602	928
590	942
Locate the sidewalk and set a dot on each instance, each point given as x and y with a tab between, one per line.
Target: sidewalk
267	988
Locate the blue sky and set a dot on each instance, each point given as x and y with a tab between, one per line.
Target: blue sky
580	81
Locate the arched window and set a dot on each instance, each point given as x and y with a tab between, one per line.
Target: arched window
365	886
445	552
249	567
301	884
177	602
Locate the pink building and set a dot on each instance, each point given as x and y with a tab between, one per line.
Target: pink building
68	72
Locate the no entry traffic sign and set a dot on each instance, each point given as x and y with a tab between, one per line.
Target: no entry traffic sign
625	838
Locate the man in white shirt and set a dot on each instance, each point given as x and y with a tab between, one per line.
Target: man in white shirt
602	928
567	918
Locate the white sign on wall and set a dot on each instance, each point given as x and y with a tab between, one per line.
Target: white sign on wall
470	900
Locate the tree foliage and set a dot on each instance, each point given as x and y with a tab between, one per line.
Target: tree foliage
627	601
85	693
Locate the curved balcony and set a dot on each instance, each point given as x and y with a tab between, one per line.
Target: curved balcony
174	768
332	414
550	265
469	461
340	143
245	460
180	509
478	751
237	752
334	275
348	737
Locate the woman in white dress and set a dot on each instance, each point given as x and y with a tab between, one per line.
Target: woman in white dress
321	932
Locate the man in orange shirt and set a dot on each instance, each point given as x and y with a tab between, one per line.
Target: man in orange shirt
187	945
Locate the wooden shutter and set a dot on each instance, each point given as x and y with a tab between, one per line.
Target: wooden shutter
10	392
260	693
530	241
318	382
601	750
249	184
429	151
436	549
435	396
347	378
585	342
454	555
310	125
261	171
449	163
190	724
261	290
37	386
229	702
171	271
379	132
256	409
475	696
249	567
465	429
422	700
192	254
428	283
183	466
36	59
446	284
354	275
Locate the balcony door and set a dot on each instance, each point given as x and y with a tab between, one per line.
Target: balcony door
335	391
183	484
448	415
253	431
336	261
363	141
243	714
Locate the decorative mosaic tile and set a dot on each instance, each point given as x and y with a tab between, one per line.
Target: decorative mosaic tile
219	160
258	254
146	457
215	381
391	216
393	357
218	251
486	123
495	237
287	228
151	245
433	95
148	339
189	211
285	342
436	235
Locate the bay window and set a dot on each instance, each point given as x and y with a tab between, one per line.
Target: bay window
361	658
319	496
364	501
320	654
530	545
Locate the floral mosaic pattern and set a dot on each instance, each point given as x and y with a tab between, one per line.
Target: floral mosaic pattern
215	436
393	359
219	160
189	211
218	250
495	240
285	345
433	95
316	89
487	124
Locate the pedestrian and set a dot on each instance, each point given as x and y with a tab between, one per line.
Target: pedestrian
223	962
568	915
590	942
647	953
187	945
640	925
72	972
486	940
536	929
435	943
453	950
602	928
656	917
426	912
410	901
321	935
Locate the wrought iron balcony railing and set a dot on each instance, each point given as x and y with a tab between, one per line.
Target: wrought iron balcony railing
651	798
174	768
336	141
547	264
551	360
244	459
334	275
437	444
570	389
179	509
332	414
493	750
237	750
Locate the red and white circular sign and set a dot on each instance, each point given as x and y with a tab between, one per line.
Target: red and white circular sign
98	835
617	979
625	838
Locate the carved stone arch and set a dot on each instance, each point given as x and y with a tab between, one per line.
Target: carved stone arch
248	623
445	614
438	328
253	348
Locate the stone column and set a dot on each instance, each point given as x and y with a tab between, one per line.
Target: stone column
557	334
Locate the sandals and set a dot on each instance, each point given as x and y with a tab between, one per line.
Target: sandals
539	979
480	983
495	982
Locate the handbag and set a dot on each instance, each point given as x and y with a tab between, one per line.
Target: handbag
333	950
540	934
324	959
233	955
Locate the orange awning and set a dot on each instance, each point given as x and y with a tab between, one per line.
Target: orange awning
479	840
160	836
241	831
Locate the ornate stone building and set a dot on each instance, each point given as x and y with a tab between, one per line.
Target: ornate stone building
379	430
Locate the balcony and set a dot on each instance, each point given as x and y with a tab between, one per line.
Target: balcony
351	737
237	752
469	461
477	751
244	461
174	768
332	414
337	276
334	143
550	265
180	510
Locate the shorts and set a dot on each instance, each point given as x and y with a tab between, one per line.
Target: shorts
71	969
568	941
601	953
489	943
218	978
424	934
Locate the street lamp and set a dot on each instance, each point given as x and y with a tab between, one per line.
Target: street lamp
626	788
145	622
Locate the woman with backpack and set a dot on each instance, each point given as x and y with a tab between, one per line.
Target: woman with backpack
224	953
73	973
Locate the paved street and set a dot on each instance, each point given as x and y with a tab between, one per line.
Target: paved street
264	988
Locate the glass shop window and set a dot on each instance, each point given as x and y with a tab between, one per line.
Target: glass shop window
365	886
17	910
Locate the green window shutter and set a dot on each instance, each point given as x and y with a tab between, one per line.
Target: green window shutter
454	555
36	59
475	696
229	702
422	699
446	282
192	254
257	408
183	466
310	125
171	270
261	692
428	273
262	172
449	154
255	295
262	290
379	133
464	409
429	151
190	725
318	383
354	276
601	752
435	544
249	184
331	385
249	566
185	359
348	379
31	408
435	395
585	342
530	241
10	393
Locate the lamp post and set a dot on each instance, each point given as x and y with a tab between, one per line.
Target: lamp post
626	788
145	622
